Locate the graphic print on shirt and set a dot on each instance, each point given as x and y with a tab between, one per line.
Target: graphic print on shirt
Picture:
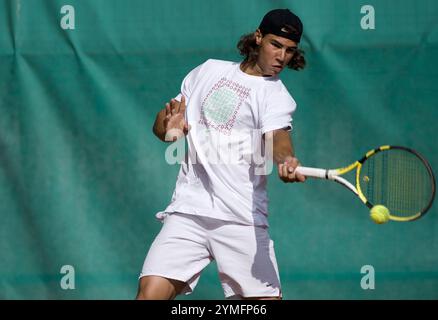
221	105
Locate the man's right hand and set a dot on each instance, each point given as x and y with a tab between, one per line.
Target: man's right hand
286	170
175	123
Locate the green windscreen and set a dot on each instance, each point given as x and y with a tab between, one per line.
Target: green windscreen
82	175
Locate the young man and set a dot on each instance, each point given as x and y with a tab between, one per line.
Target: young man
219	208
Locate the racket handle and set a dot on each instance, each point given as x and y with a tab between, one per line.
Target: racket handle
313	172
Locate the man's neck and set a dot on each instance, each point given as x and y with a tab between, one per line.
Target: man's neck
252	69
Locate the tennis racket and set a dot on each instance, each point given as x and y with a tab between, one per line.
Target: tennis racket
396	177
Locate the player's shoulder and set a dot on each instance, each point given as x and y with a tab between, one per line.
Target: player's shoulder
216	63
278	89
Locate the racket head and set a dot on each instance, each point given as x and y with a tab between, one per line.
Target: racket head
398	178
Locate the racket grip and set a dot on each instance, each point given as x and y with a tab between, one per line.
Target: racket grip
313	172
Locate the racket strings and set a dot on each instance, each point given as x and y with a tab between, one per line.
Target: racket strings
397	179
403	175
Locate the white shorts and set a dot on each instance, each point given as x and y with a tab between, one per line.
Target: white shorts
244	255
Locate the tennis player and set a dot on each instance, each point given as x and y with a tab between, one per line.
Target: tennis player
219	209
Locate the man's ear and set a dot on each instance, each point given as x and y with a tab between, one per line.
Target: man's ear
258	36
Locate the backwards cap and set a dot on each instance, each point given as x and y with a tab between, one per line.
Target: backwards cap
283	23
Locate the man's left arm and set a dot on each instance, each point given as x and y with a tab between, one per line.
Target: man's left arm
284	156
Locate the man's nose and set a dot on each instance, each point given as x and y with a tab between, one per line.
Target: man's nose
281	55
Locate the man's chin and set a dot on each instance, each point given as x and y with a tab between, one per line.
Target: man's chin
276	71
272	72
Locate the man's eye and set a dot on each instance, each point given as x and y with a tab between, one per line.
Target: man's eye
276	45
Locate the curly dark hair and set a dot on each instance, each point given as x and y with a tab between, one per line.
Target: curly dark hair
249	49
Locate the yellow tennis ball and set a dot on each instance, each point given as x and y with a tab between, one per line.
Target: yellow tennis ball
379	214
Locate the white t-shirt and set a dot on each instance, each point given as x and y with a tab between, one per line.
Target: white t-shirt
228	111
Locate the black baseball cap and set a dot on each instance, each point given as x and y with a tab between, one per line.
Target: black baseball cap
283	23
